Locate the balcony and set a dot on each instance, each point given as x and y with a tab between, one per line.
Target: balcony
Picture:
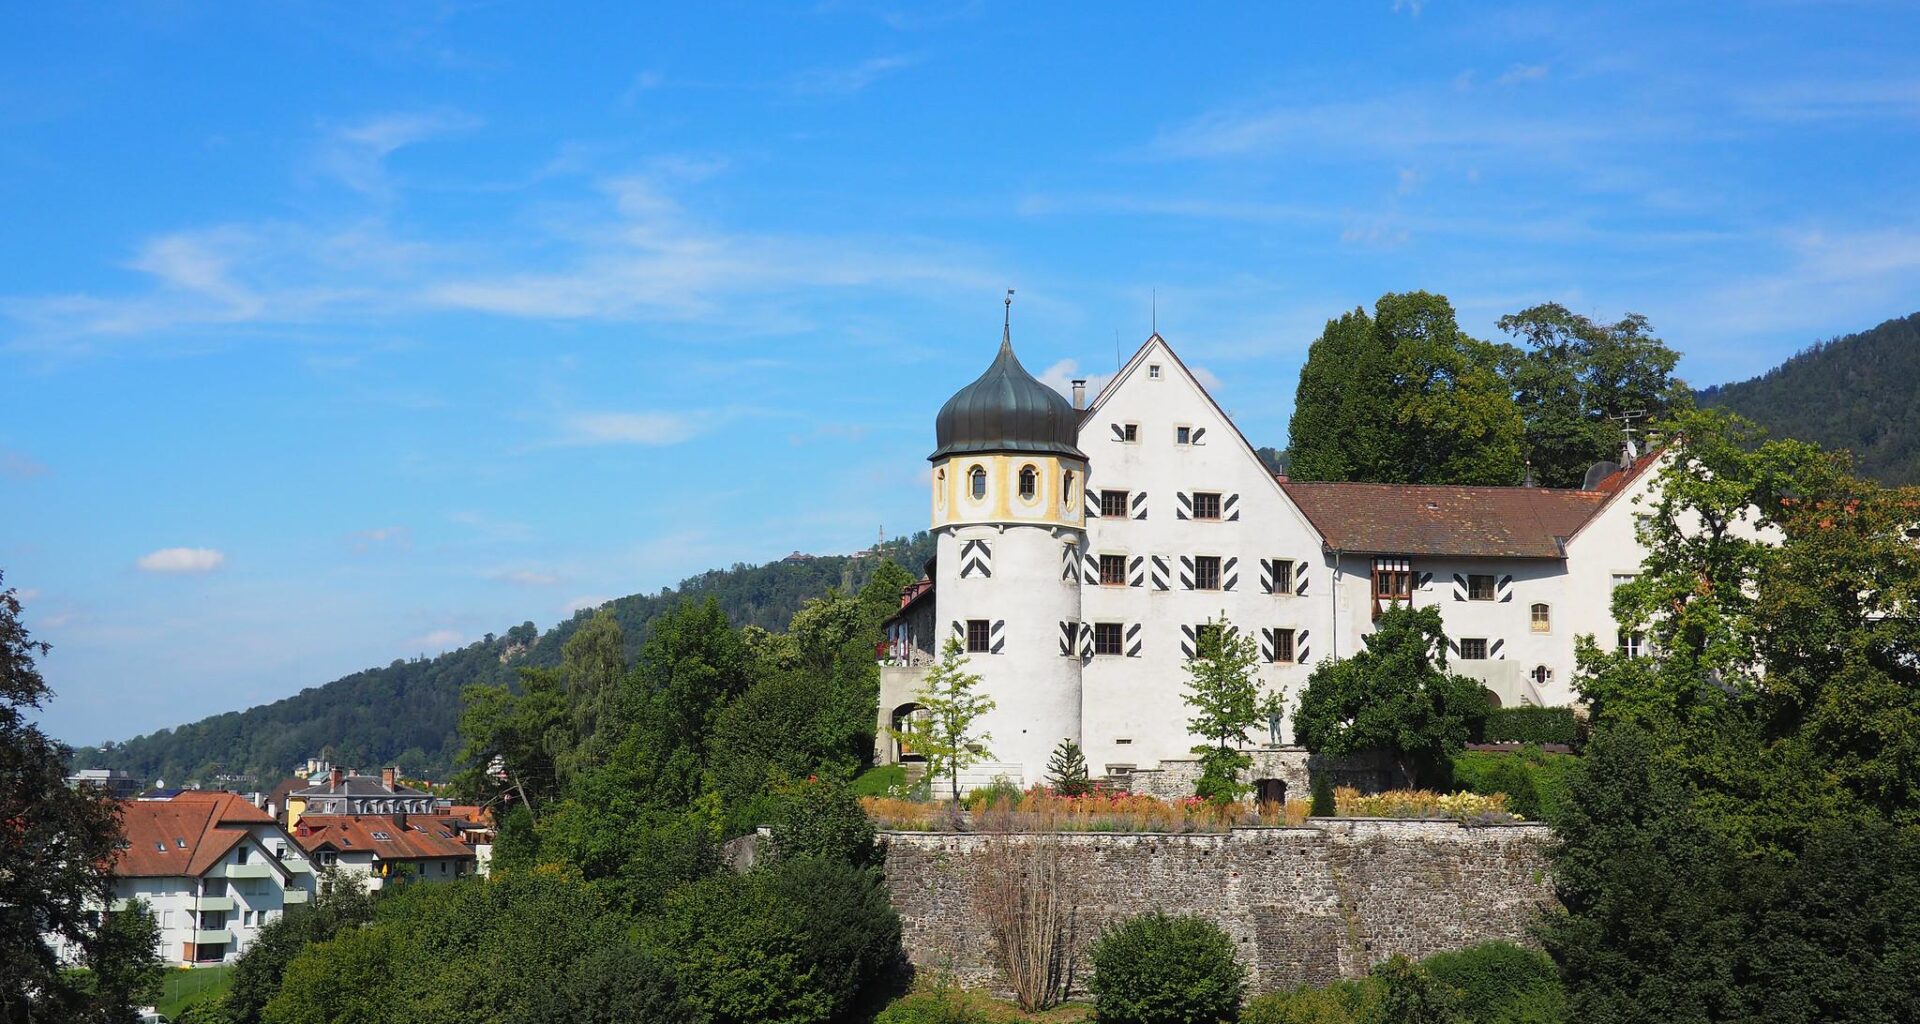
252	869
214	903
293	896
212	937
302	866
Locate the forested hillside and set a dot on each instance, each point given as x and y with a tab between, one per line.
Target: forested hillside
407	713
1860	392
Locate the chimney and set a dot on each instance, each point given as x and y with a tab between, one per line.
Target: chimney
1080	394
335	776
388	776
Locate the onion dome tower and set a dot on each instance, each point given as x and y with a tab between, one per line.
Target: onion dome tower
1009	480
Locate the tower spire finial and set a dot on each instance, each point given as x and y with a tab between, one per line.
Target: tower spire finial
1006	324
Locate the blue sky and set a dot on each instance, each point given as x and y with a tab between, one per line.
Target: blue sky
335	333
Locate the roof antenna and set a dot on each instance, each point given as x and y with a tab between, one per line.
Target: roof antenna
1117	363
1155	321
1006	325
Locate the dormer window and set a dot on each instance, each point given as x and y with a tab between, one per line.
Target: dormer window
977	483
1029	483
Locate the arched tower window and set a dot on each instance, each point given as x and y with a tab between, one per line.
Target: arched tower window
1066	490
1029	482
977	482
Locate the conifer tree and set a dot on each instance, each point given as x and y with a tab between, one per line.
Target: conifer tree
1067	770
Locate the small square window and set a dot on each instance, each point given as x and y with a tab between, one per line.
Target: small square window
1206	572
1130	432
1113	570
1632	643
1479	588
1206	505
1183	435
1541	618
1205	634
1106	638
1153	371
1473	649
1113	504
979	636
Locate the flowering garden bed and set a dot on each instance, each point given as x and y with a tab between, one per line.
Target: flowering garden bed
1041	810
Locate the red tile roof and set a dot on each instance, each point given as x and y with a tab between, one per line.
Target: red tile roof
423	837
1422	519
183	835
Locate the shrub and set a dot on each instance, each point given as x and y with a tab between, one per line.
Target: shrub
1156	969
1527	775
823	819
1410	994
1343	1002
803	941
941	1002
1323	805
1502	982
1531	725
1000	791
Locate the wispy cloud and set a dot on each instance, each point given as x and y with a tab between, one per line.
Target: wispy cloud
181	560
1395	124
1061	375
845	81
397	538
436	640
20	466
525	577
642	428
1522	73
1873	100
580	604
355	153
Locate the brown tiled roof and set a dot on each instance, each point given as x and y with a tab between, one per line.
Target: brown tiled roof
183	835
421	838
1424	519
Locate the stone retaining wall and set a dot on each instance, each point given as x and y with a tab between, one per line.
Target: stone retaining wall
1305	905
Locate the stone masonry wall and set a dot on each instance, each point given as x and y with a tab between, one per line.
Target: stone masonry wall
1175	779
1304	905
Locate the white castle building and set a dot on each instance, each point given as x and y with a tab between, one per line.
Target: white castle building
1080	549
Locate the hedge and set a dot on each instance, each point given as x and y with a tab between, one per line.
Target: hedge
1535	782
1532	725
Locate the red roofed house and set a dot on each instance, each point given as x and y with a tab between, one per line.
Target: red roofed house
212	867
433	848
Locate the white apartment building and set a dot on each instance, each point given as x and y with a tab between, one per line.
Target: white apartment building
1079	551
213	868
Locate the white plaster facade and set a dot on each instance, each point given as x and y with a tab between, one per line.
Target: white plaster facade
1155	434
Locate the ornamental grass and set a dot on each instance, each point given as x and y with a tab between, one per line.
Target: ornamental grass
1041	810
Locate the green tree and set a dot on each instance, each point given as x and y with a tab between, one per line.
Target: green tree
1159	969
1577	378
1394	695
1223	689
1411	995
59	841
1067	770
785	727
594	664
822	818
1405	396
124	966
945	735
339	902
514	741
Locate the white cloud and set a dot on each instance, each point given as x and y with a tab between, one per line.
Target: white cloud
579	604
1522	73
20	466
1401	124
436	640
848	80
356	153
1413	7
395	537
25	594
525	577
642	428
182	560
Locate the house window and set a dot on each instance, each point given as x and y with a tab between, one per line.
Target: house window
1392	580
1479	588
212	920
1283	646
240	855
209	952
1206	505
1621	579
1542	675
977	482
1206	572
1206	634
215	887
1106	638
1283	576
1067	491
1632	643
1029	483
1113	503
327	858
1130	432
1473	649
1542	617
1153	371
979	635
1113	570
1183	435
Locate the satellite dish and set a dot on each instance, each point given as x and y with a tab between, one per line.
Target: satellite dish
1597	472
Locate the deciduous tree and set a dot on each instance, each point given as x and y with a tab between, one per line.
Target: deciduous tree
944	734
1223	689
